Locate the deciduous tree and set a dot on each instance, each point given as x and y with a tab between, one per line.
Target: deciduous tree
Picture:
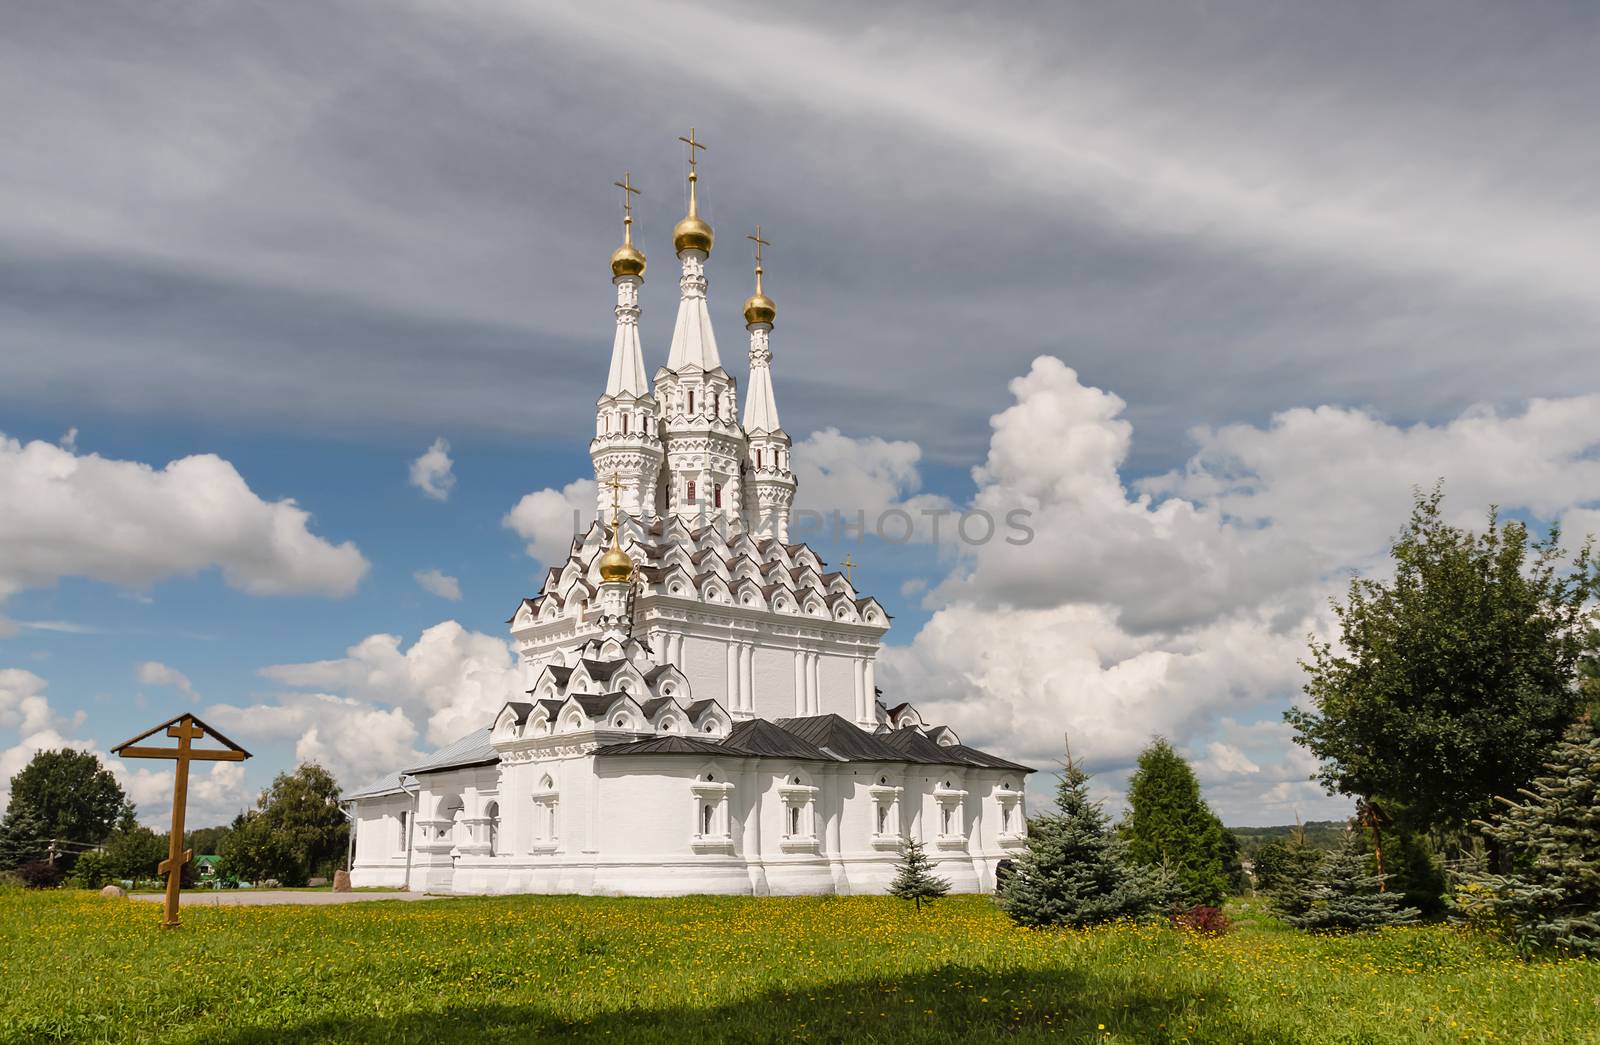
68	794
1450	683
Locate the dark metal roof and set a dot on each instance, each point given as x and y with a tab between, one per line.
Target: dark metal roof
596	704
473	749
699	707
982	758
602	670
755	736
655	704
522	710
552	708
913	743
667	745
843	740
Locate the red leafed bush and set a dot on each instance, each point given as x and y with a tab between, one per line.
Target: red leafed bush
1208	921
41	874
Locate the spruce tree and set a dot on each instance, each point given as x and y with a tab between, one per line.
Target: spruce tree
1290	876
1169	825
1551	898
1074	872
914	878
1344	896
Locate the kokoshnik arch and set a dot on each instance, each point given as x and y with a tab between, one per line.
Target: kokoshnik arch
702	713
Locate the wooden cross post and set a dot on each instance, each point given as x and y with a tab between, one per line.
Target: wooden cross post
185	729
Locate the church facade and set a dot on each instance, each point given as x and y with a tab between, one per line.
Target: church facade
702	712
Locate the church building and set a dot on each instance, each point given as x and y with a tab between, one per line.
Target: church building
702	713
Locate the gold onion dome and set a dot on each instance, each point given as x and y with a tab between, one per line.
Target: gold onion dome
758	308
615	566
627	261
692	233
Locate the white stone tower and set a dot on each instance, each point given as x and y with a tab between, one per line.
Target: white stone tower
699	408
614	598
769	482
627	442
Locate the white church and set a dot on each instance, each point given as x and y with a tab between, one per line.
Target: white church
701	713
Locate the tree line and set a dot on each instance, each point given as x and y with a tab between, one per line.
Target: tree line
68	820
1459	706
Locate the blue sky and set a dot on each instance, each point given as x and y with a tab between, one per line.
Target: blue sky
1208	288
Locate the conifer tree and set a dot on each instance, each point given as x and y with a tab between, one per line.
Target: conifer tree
1074	871
1344	896
1551	898
1290	876
914	878
1170	825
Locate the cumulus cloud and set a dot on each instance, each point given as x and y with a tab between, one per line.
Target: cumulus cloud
154	673
437	583
451	678
547	519
356	740
127	523
1179	605
863	481
214	795
432	472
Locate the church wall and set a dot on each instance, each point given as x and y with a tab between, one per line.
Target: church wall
837	687
380	856
705	661
772	680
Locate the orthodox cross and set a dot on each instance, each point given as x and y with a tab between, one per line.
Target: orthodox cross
628	193
185	729
614	484
759	242
849	570
693	145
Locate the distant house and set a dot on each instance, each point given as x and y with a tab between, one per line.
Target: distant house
208	868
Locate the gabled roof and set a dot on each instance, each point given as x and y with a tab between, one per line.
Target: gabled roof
912	741
602	670
522	710
699	707
668	745
473	749
973	756
596	704
655	704
389	784
843	740
755	736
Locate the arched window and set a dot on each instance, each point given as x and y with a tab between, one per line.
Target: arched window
624	424
794	821
883	817
708	814
690	496
716	495
491	813
758	460
691	402
945	814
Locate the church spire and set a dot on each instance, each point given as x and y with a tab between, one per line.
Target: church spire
768	478
693	343
760	405
627	273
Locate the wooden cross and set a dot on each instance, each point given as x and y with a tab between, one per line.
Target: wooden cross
628	193
759	242
693	145
849	570
185	729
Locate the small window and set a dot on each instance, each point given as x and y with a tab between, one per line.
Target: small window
1005	819
883	817
794	821
691	410
690	494
716	496
944	820
758	460
492	813
624	424
707	813
621	722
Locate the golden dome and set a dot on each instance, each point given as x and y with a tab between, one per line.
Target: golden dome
691	233
758	308
627	261
615	566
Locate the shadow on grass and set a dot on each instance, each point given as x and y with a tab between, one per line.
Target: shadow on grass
951	1004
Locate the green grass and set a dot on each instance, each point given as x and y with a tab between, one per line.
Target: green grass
81	968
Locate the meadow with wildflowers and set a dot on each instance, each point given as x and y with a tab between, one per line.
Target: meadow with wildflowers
78	967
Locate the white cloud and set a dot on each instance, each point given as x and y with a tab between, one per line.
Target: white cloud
856	482
356	740
441	584
154	673
431	473
126	523
452	678
548	519
1182	609
214	796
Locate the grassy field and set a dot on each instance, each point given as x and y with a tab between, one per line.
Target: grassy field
80	968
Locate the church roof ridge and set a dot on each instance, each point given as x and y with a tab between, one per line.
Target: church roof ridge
473	749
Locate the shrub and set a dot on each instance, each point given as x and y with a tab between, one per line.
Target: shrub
41	874
92	870
1205	920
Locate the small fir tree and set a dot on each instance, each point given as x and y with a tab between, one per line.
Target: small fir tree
1170	825
1551	898
914	878
1343	895
1074	872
